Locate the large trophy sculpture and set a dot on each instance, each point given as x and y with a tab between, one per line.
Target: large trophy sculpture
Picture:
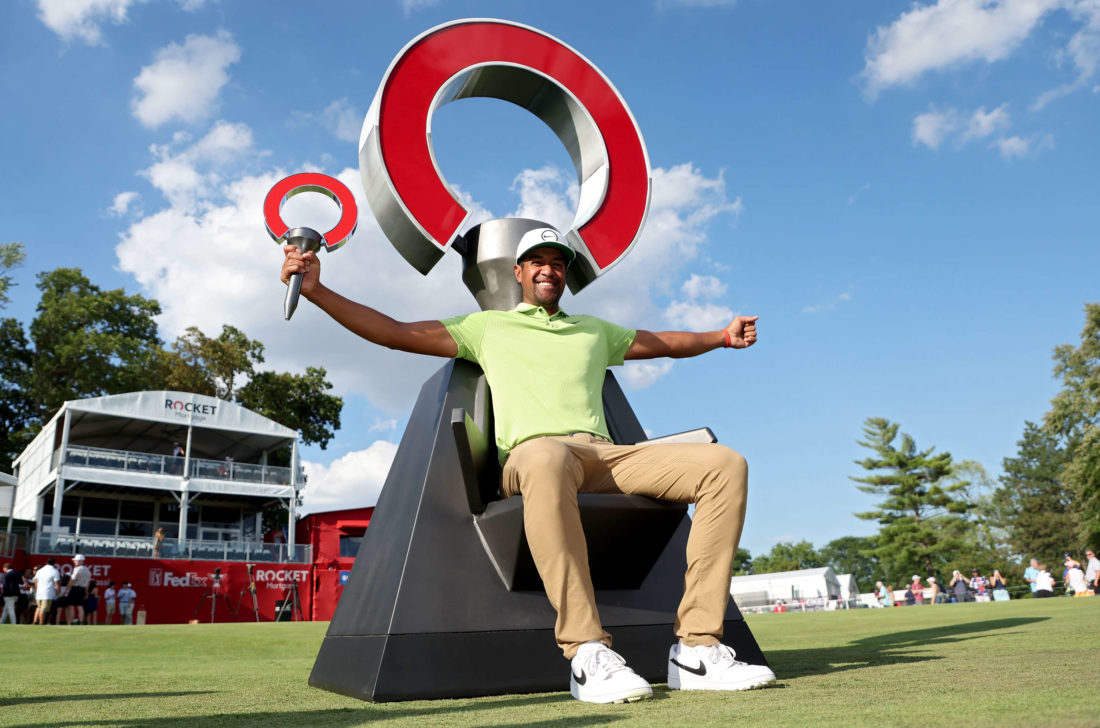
444	596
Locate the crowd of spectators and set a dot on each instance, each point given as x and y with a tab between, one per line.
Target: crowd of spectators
1077	580
46	596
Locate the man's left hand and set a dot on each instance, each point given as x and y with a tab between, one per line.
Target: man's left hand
742	332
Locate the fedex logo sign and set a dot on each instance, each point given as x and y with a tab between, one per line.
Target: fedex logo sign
160	577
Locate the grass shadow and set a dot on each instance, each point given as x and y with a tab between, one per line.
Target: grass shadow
470	713
32	699
884	649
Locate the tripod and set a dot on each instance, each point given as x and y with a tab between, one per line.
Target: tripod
293	601
251	589
213	594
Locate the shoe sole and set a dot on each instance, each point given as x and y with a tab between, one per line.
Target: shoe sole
632	697
675	683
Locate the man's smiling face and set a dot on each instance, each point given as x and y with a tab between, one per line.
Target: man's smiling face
541	275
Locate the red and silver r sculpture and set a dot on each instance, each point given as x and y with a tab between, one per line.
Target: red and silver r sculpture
420	212
308	239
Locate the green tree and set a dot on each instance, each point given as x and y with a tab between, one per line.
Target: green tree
11	255
853	555
1034	505
922	518
742	563
213	366
787	556
1074	417
299	401
87	341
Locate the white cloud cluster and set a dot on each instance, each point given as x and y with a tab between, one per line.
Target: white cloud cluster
937	126
352	481
946	34
81	19
696	312
952	33
934	127
184	81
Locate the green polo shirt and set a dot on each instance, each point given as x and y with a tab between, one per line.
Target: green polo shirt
545	372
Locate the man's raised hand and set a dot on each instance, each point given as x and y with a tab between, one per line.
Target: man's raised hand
308	264
742	332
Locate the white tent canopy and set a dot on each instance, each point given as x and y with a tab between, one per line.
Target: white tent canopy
760	589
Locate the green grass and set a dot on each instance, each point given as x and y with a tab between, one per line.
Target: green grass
1026	663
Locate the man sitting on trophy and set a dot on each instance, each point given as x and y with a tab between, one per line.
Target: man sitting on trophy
545	369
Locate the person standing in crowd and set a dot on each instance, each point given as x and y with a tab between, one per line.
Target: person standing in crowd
1044	583
78	587
47	582
91	604
158	541
885	596
29	605
958	587
12	581
177	459
935	597
1075	580
126	598
1092	570
1030	573
1000	588
110	600
63	608
978	583
918	590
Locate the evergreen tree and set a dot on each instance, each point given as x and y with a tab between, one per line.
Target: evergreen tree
922	518
1033	504
1075	418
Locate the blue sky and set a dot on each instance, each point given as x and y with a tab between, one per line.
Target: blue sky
905	193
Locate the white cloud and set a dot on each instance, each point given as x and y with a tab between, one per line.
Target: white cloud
643	374
352	481
934	127
122	202
983	124
411	6
855	195
184	81
1016	147
690	316
697	286
949	33
81	19
342	120
830	304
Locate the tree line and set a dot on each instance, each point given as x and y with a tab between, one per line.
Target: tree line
85	341
935	515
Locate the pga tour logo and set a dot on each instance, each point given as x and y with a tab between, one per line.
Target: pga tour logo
160	577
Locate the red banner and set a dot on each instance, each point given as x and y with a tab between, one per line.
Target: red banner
174	592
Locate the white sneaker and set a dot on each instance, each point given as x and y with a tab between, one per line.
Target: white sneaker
713	667
600	675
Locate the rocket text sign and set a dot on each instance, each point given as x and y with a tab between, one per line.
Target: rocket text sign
415	206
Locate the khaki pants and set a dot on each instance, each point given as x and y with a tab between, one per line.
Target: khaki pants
549	472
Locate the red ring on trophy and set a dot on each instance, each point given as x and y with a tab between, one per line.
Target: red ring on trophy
415	206
331	187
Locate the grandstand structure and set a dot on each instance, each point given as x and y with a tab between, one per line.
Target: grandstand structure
106	474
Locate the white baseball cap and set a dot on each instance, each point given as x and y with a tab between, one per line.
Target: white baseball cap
544	238
78	557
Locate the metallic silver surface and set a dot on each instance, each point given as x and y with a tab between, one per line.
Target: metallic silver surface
488	256
305	239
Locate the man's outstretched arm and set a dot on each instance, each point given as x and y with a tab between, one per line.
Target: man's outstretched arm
420	337
741	333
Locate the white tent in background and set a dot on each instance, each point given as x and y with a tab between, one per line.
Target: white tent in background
761	589
848	587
